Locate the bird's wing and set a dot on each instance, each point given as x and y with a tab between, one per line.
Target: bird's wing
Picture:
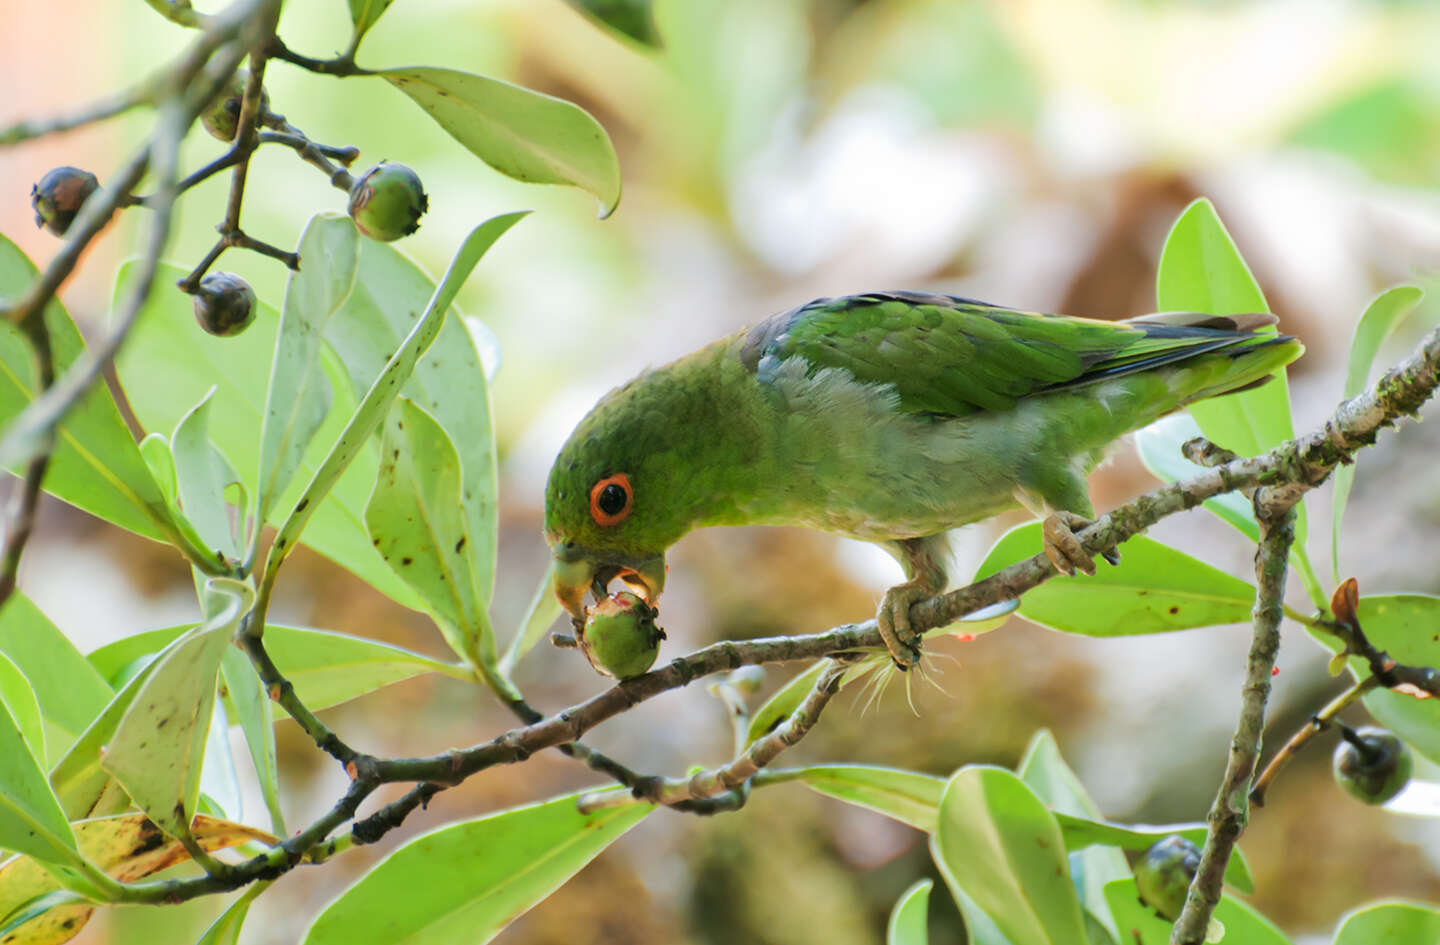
955	357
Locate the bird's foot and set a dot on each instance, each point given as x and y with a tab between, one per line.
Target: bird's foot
893	619
1064	549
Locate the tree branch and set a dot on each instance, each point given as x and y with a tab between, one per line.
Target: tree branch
1231	812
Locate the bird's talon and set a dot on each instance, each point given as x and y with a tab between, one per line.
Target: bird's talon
1063	549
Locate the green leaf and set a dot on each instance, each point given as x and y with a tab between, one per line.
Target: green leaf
376	402
96	465
256	715
907	796
83	786
1201	270
155	450
908	925
1391	128
629	17
18	696
416	519
523	134
31	821
202	474
1382	316
326	668
1082	832
1139	925
168	364
70	692
159	744
467	881
225	930
544	608
364	13
1047	774
1154	589
1390	923
1403	625
299	396
219	779
450	382
997	842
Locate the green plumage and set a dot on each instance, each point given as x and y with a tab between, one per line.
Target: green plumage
886	417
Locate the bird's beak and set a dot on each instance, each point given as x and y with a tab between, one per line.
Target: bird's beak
575	572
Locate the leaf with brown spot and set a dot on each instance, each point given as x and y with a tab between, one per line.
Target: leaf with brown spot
129	847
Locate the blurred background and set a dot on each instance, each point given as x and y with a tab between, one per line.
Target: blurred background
1023	152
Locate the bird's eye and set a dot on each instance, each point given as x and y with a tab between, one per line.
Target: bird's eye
611	499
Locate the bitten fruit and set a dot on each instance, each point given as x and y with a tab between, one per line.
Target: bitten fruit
387	202
620	637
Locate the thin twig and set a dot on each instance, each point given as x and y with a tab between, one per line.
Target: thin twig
339	66
1230	812
1302	736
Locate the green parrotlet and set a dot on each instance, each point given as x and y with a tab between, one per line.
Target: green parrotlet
889	417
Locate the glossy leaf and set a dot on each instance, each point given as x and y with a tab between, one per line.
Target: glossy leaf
416	520
128	847
159	746
18	697
299	396
523	134
239	367
1405	626
908	924
202	475
542	612
997	842
326	668
96	465
467	881
450	382
1154	589
1139	924
31	821
256	715
155	450
371	410
70	692
1201	270
1390	923
1045	771
1381	317
364	13
629	17
907	796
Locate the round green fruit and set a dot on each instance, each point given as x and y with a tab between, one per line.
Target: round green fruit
59	196
387	202
222	118
1164	873
1372	765
620	637
224	304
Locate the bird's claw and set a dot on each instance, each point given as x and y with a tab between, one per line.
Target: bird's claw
893	619
1063	548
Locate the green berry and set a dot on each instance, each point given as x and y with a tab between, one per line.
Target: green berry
387	202
59	196
1164	873
1372	764
222	117
224	304
620	637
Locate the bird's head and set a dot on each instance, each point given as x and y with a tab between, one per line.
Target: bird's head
611	504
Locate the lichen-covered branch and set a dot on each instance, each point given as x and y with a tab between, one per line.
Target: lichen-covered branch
1231	811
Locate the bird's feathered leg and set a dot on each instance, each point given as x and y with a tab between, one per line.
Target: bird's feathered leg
1061	500
924	562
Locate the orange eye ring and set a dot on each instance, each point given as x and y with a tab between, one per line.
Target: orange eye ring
611	500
